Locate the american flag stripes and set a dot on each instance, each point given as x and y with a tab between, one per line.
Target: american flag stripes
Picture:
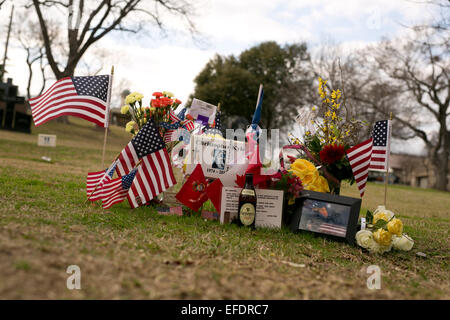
155	173
381	145
115	191
359	158
83	97
173	117
189	125
170	135
96	180
372	154
147	140
333	229
154	176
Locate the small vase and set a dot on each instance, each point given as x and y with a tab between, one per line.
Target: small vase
288	212
335	188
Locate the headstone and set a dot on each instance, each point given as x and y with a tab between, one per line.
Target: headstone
46	140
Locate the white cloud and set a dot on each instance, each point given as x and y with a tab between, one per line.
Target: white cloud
169	68
232	26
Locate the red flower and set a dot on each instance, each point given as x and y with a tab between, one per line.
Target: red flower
165	102
332	153
157	94
177	101
156	103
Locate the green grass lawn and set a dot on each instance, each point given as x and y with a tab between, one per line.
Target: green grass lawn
45	226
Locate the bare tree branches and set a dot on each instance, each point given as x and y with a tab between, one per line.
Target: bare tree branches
95	20
420	67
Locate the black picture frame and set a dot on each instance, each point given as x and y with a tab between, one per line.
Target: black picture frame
325	224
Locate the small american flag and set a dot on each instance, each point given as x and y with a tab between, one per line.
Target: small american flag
189	125
170	135
96	180
144	143
217	121
372	154
359	158
115	191
155	173
173	116
381	145
83	97
333	229
171	131
154	176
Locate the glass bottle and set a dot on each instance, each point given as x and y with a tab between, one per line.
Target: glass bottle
247	203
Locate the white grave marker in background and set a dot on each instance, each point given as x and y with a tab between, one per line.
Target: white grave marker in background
47	140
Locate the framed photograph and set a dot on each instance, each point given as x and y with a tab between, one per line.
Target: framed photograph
216	156
326	214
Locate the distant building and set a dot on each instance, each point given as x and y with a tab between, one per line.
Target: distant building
14	112
410	170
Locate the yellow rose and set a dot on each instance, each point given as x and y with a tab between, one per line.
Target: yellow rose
167	94
389	214
152	109
395	226
380	216
309	175
303	166
323	183
125	109
309	179
365	239
313	187
382	237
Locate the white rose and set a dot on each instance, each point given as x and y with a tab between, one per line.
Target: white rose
389	214
404	242
364	238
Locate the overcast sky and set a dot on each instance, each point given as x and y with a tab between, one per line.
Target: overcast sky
152	63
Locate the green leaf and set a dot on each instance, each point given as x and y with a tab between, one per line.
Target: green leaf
381	224
369	217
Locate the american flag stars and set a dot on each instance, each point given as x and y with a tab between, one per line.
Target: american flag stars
83	97
92	86
148	140
380	133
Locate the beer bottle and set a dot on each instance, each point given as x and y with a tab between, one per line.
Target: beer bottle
247	203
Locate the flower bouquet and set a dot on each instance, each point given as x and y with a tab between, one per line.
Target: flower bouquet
328	133
161	110
292	186
384	231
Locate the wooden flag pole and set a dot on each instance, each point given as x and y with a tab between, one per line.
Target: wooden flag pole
259	95
386	178
108	103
